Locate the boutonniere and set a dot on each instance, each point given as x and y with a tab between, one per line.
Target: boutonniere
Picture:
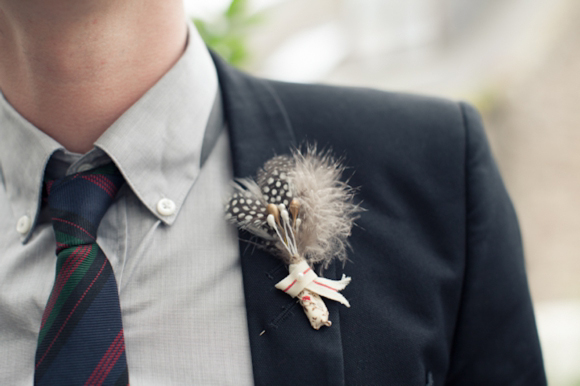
301	212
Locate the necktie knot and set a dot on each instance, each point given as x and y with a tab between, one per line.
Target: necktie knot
78	202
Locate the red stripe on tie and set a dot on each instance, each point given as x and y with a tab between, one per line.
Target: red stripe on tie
108	182
103	365
61	246
324	285
99	182
102	182
120	350
70	315
80	254
108	361
73	224
49	186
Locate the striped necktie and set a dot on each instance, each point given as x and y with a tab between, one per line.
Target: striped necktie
81	338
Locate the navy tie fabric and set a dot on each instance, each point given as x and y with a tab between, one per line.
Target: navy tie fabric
81	339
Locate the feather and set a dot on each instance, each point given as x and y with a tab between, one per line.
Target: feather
247	208
327	207
312	211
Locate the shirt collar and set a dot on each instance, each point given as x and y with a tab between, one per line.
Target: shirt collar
156	144
24	152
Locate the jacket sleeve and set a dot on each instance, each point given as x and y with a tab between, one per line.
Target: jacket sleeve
495	340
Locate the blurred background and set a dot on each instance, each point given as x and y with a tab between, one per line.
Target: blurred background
517	61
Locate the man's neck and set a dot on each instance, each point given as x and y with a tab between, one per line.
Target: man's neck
72	67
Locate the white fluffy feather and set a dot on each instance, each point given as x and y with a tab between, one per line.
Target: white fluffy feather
327	209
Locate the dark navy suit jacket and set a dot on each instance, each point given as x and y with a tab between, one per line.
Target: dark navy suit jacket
439	293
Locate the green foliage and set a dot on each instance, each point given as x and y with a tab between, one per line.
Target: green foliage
227	34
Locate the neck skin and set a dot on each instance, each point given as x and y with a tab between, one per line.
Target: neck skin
72	67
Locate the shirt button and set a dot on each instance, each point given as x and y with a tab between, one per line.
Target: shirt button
23	225
166	207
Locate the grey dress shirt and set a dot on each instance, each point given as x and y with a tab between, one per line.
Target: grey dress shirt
175	259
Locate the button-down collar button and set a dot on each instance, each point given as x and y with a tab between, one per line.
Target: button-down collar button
23	225
166	207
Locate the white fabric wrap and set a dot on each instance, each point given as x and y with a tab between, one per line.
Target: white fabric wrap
302	277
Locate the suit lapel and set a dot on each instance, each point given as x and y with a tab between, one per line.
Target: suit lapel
285	349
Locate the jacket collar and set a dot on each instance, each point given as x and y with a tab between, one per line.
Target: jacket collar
283	344
258	124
